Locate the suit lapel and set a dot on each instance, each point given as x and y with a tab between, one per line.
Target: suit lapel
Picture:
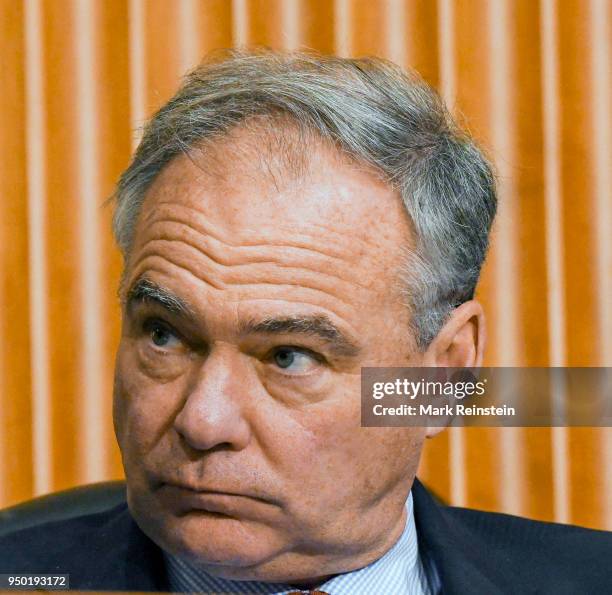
463	563
128	559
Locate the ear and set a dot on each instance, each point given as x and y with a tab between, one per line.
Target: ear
459	344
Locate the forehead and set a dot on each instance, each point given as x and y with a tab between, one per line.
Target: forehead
282	182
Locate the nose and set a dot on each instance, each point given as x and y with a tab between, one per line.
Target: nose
213	412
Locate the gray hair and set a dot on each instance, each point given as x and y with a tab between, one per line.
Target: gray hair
372	111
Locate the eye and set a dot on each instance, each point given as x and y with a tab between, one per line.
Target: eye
294	360
161	334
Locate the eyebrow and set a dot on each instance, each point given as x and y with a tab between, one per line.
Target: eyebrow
317	325
146	291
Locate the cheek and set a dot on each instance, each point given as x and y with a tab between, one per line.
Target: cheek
319	433
352	463
142	406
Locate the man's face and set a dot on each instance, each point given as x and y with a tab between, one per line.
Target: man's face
251	305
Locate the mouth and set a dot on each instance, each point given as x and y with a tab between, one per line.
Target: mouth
184	499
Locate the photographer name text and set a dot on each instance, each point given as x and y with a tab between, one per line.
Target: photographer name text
457	409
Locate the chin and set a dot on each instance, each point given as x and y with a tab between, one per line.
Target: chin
210	539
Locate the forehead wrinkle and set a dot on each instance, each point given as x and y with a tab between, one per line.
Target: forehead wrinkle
225	279
288	258
228	246
252	266
201	224
145	266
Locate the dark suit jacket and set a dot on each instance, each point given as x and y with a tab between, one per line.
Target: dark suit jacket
474	552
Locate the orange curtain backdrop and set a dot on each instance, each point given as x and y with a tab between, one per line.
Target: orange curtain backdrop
532	81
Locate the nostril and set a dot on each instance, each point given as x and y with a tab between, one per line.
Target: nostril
193	452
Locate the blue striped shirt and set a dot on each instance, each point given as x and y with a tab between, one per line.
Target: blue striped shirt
400	571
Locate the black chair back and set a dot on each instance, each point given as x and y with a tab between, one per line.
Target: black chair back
87	499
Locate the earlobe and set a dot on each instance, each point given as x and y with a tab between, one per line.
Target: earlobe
432	431
460	342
